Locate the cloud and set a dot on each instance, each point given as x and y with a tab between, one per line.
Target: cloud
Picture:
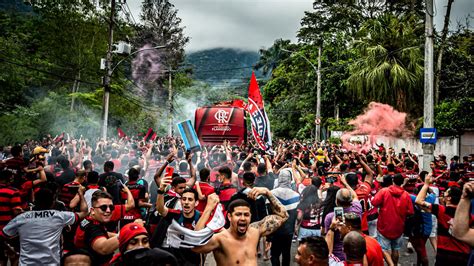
253	24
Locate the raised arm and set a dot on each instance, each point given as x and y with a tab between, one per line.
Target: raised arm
462	217
83	204
192	170
130	201
160	201
212	201
370	174
420	198
272	222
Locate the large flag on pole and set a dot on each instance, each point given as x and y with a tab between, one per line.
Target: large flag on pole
260	123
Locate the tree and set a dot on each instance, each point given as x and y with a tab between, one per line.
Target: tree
271	57
390	66
439	60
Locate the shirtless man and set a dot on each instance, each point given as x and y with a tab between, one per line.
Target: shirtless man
238	244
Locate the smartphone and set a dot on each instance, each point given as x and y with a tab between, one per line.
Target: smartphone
169	171
339	213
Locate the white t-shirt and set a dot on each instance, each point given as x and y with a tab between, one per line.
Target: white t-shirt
40	233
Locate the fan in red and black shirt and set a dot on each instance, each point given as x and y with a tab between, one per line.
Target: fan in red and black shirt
203	188
362	189
17	164
412	176
69	190
138	192
451	251
10	206
92	234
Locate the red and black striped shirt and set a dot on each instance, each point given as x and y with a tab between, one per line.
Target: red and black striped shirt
68	192
9	200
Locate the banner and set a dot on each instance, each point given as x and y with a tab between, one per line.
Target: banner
260	123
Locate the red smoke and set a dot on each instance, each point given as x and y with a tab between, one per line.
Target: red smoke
377	120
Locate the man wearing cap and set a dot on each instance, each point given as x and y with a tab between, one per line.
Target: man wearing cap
134	248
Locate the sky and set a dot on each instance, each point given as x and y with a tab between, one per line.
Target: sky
255	24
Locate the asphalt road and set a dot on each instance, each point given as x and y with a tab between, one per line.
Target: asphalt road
406	259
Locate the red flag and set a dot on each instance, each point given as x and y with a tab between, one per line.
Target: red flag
121	134
260	123
148	135
153	137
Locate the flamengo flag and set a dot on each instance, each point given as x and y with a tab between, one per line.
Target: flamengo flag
260	123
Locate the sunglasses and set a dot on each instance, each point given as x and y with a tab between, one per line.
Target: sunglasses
105	207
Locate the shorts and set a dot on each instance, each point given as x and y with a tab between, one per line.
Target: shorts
389	244
304	232
434	228
373	228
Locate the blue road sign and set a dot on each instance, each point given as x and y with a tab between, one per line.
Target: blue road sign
428	135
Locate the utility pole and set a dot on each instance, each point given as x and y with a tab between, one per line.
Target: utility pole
428	109
108	73
170	102
75	88
318	96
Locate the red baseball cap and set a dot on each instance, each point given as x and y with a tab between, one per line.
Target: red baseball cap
128	232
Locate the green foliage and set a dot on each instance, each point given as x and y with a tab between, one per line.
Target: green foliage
390	64
334	140
334	124
452	117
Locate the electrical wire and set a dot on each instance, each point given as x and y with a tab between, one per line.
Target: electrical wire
47	72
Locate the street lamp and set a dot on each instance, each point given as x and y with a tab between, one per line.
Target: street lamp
318	88
109	71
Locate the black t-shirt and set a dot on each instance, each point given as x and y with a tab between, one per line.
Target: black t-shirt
267	181
91	233
111	182
67	176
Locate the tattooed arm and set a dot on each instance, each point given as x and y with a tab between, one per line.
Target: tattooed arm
270	223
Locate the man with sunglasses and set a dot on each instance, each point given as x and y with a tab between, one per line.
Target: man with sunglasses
92	235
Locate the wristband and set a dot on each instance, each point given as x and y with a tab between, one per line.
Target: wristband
160	192
332	229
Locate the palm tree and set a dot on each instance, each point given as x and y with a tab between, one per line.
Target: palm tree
390	67
271	57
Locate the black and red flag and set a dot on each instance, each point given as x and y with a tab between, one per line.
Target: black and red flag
150	135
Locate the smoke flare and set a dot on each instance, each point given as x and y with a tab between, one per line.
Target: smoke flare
377	120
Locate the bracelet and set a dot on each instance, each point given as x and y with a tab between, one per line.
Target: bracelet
160	192
332	229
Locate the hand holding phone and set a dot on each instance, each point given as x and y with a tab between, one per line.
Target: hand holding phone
339	213
169	171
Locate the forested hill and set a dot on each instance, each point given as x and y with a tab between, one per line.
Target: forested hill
223	66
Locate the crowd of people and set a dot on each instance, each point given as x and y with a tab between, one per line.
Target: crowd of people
74	201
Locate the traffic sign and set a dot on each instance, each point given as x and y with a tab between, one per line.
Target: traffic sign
428	135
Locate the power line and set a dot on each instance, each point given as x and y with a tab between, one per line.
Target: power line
47	72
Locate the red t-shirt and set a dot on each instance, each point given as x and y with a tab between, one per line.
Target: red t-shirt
363	194
206	190
374	251
448	246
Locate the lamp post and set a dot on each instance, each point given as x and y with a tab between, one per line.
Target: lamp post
318	88
109	71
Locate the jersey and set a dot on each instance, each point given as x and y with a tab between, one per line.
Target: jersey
43	246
